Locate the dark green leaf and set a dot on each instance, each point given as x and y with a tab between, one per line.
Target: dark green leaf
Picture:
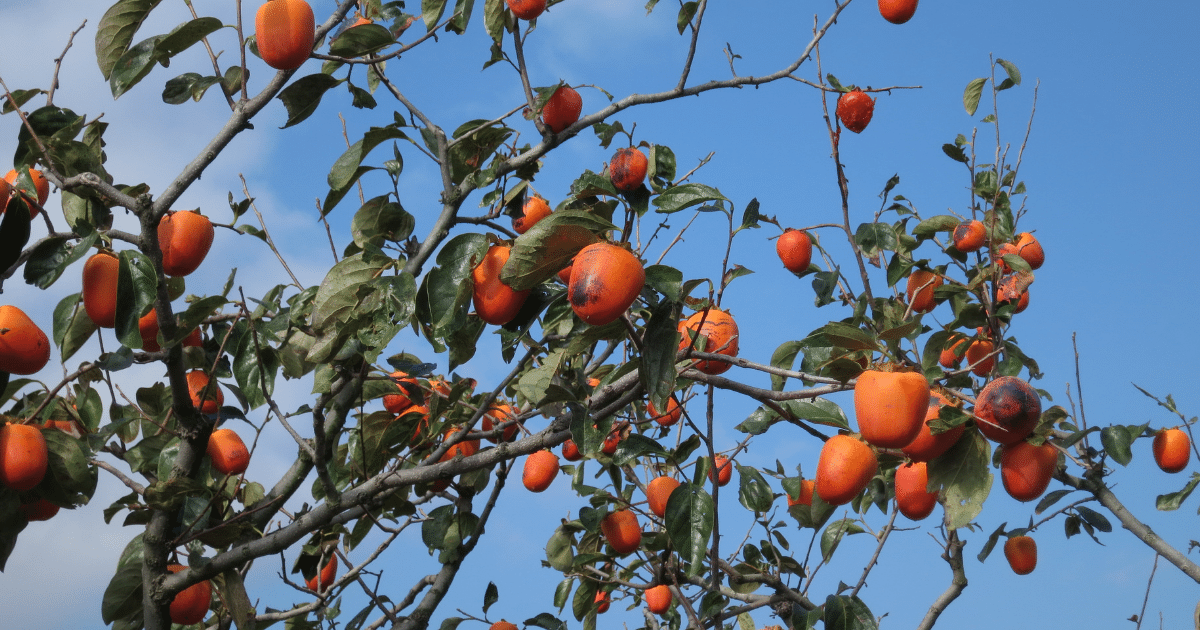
302	97
136	290
689	524
753	491
116	31
1050	499
686	13
1094	518
963	477
1117	441
134	65
361	40
1172	501
991	542
123	596
14	232
955	152
186	35
490	596
682	197
933	225
660	345
848	613
833	534
540	253
72	326
873	237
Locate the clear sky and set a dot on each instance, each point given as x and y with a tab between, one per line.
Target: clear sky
1108	179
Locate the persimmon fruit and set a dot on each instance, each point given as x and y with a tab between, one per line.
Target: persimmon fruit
1021	553
897	11
498	415
658	599
658	492
410	393
949	357
570	451
535	209
40	510
627	169
805	496
41	187
912	498
622	531
228	452
854	109
611	441
1026	469
323	579
978	355
844	468
605	280
503	625
1172	450
540	469
24	348
969	236
920	288
667	418
495	302
795	250
23	456
1030	250
285	30
927	446
526	9
723	469
722	337
148	327
184	238
890	406
602	601
100	288
197	382
562	109
190	605
1008	410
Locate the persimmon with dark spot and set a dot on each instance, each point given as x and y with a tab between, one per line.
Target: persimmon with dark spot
535	209
721	333
605	280
969	236
1007	410
627	169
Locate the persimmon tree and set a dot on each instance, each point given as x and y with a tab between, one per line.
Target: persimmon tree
390	441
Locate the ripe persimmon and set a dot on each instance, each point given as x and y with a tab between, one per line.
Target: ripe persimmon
658	598
1030	250
920	288
627	169
190	605
911	496
1026	469
562	109
795	250
897	11
978	355
23	456
1021	553
723	468
41	187
285	33
495	302
611	441
24	348
667	418
228	452
622	531
498	415
197	382
323	579
928	446
534	210
602	601
969	236
949	358
807	486
570	451
466	448
564	274
844	468
184	238
503	625
658	492
1013	287
1008	410
526	9
40	510
1172	450
100	288
854	109
540	470
605	280
722	337
410	393
890	406
148	327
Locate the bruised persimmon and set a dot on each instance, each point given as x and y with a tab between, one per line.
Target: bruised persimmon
1026	469
184	238
1030	250
100	288
190	605
534	210
198	386
927	445
148	327
795	250
1021	553
627	169
844	469
495	302
969	236
23	456
912	498
1008	410
890	406
611	442
570	451
526	9
41	187
897	11
562	109
667	418
1014	288
323	579
920	288
658	492
605	280
721	332
540	470
622	531
24	348
285	33
1172	450
228	452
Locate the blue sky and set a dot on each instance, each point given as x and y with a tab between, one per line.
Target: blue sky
1108	181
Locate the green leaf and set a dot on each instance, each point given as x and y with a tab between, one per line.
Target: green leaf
338	293
848	613
187	35
1094	518
784	357
955	153
1050	499
14	232
302	97
991	542
660	345
136	289
51	257
361	40
1118	441
849	337
818	410
1014	74
490	596
546	620
686	13
123	596
963	476
558	549
689	524
834	533
446	290
346	170
115	32
933	225
380	220
539	254
873	237
634	447
753	492
431	12
72	326
682	197
1172	501
134	65
972	94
